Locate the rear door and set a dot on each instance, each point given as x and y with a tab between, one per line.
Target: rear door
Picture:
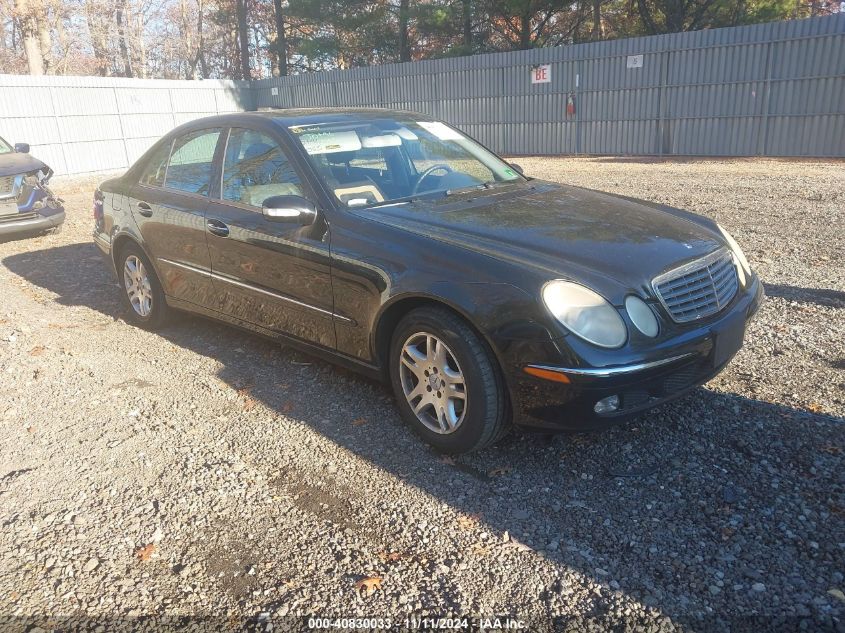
169	205
273	274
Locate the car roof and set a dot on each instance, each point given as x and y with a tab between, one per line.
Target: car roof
308	116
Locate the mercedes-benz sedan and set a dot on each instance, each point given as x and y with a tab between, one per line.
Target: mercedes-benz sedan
396	245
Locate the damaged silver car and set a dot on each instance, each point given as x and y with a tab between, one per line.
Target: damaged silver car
26	203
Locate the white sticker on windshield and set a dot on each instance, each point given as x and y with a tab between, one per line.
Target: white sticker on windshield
441	130
330	142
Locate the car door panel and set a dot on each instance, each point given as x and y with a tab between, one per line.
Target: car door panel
169	209
174	235
274	274
271	274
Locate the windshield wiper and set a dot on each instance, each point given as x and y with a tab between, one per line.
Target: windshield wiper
490	184
414	198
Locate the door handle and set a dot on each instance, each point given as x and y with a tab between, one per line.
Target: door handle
217	228
145	209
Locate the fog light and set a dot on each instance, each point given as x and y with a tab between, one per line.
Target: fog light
607	405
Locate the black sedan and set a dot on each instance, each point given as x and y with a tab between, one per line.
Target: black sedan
398	246
26	203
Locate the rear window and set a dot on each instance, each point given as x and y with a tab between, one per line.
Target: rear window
191	161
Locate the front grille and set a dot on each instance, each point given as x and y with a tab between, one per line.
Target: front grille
7	186
698	289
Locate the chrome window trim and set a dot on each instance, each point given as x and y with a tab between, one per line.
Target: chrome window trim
269	293
606	372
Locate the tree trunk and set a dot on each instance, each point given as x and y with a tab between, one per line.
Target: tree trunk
598	31
201	37
45	38
243	38
281	41
467	24
404	45
525	29
121	16
29	32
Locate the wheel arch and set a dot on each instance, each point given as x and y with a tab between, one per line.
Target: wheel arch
119	243
395	311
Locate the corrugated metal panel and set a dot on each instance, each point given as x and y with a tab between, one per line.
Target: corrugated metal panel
83	124
769	89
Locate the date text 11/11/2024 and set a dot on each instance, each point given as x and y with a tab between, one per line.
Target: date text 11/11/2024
421	623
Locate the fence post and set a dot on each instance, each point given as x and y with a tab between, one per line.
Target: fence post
59	127
763	129
120	123
661	103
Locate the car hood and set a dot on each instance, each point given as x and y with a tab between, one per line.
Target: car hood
564	231
15	163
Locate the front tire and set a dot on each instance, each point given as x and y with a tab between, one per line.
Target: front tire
447	382
142	293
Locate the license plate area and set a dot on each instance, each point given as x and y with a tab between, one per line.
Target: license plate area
8	207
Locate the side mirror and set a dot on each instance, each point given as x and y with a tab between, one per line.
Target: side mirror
517	168
23	148
293	209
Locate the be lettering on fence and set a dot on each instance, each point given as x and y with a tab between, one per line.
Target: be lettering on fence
541	74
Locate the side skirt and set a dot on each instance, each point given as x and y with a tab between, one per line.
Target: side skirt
348	362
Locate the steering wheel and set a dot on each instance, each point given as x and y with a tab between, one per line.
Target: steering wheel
428	173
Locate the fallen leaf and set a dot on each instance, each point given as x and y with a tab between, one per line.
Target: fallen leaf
287	407
246	390
37	350
368	585
479	549
815	408
830	449
249	404
391	557
30	429
468	521
501	470
359	422
146	552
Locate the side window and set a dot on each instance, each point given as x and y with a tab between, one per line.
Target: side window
190	165
255	168
153	173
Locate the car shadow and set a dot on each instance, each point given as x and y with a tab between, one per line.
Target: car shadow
819	296
593	503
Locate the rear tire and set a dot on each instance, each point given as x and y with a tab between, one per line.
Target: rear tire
447	382
142	295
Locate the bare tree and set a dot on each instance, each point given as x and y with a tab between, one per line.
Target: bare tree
243	38
27	16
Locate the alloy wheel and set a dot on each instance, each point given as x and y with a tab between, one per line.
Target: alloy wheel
433	383
137	284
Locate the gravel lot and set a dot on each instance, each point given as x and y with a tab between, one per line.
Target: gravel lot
205	471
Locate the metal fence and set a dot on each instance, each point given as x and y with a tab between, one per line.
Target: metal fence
774	89
88	124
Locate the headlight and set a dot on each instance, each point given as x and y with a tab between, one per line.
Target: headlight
641	316
744	267
585	313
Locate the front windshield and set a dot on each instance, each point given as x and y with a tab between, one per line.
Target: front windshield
375	161
5	148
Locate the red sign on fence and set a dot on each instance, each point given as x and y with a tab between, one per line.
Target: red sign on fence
541	74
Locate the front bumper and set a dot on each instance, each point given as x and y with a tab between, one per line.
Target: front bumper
37	211
568	402
32	222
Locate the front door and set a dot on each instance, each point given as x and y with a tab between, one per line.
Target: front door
169	205
269	273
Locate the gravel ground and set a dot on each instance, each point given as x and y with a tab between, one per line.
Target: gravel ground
205	471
